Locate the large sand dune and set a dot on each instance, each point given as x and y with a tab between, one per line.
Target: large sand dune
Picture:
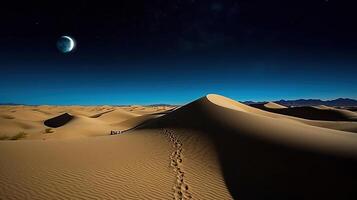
212	148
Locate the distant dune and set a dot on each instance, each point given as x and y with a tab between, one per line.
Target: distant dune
212	148
350	108
320	112
273	105
340	102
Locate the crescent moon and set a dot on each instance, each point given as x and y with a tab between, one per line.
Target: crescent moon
72	44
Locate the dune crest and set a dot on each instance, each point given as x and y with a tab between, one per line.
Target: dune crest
273	105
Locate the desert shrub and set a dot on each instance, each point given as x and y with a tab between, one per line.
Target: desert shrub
18	136
4	137
8	117
48	130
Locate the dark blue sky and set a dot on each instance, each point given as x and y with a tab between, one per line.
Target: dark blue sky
174	52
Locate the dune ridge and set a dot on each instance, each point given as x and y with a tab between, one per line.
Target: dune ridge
310	112
273	105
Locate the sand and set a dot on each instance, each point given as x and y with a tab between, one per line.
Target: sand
310	112
212	148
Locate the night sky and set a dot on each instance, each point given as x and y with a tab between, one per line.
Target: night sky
174	51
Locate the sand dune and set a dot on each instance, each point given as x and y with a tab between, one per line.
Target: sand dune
135	121
51	122
117	115
348	125
271	158
353	109
212	148
314	112
101	113
273	105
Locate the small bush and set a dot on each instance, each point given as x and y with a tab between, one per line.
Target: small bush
48	130
8	117
18	136
4	137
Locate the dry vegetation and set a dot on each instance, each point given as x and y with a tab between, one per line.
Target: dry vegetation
18	136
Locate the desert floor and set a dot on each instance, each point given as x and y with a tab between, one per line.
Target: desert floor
212	148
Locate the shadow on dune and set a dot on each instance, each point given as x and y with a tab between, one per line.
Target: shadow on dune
256	169
312	113
58	121
353	109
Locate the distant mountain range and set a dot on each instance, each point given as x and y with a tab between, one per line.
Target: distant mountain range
11	104
341	102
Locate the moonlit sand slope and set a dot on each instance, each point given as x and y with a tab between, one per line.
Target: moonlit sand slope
212	148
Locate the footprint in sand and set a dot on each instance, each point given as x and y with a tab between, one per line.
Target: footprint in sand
181	189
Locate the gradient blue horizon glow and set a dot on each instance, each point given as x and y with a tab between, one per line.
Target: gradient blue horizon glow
175	82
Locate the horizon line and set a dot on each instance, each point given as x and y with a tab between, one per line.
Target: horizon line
165	104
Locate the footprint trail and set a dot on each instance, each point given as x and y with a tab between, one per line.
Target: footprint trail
181	189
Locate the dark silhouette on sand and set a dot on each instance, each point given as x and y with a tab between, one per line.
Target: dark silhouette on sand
58	121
